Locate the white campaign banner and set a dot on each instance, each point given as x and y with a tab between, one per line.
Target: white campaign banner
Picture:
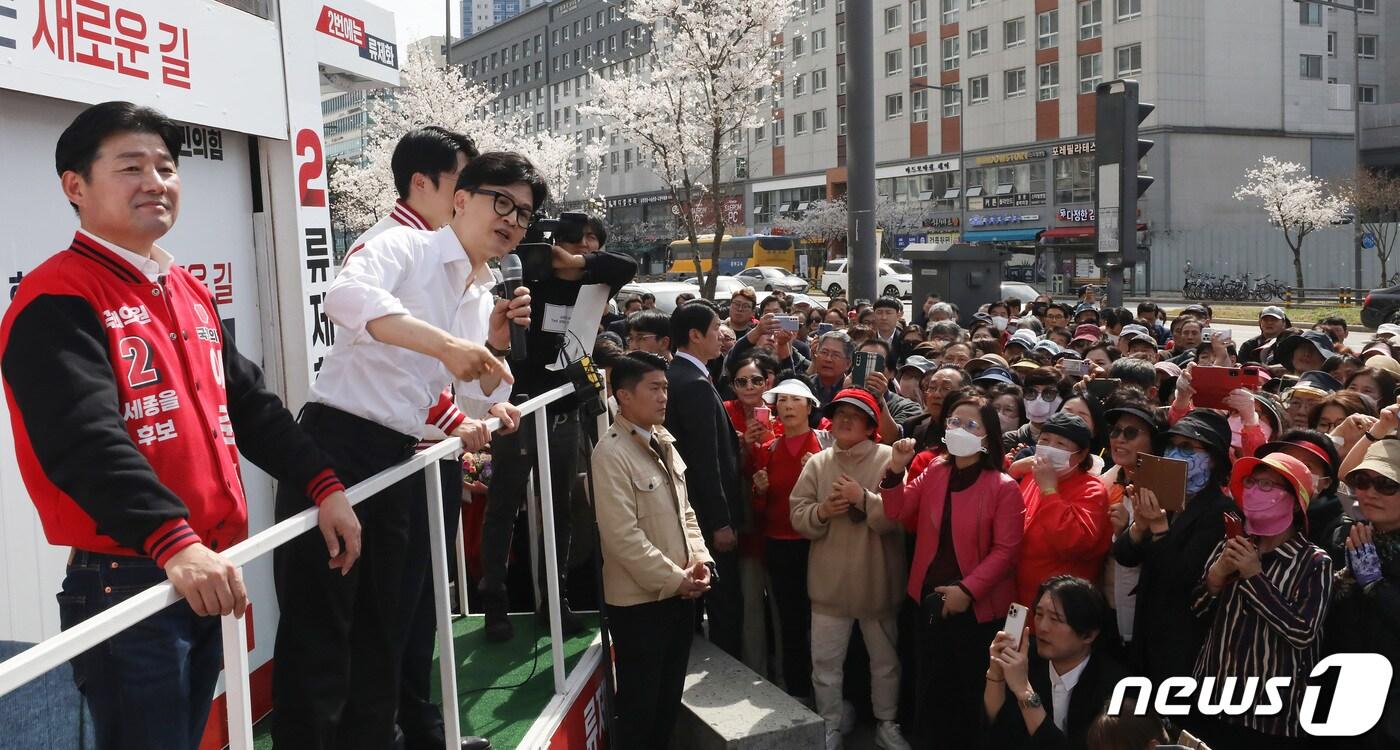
198	61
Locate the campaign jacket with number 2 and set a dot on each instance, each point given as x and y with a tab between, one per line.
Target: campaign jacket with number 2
125	397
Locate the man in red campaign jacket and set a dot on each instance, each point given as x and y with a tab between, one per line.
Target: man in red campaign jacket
129	404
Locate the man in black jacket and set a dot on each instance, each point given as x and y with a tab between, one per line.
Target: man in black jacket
1046	693
708	444
575	264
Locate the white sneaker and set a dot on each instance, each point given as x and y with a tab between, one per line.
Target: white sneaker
848	717
833	740
888	737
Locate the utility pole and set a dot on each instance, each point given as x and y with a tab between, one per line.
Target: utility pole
861	252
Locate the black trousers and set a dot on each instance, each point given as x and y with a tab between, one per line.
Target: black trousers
787	578
420	719
724	602
952	659
339	639
512	461
651	645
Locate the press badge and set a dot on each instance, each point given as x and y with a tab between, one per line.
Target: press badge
556	318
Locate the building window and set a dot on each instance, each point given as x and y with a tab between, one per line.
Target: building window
918	16
950	11
977	42
894	106
1015	83
627	160
1367	94
1049	75
840	120
1331	44
1074	179
1309	14
818	120
1127	9
952	103
950	52
1090	19
818	40
840	79
1366	46
894	62
1129	59
798	46
919	103
975	3
1048	26
799	85
799	124
760	134
1014	32
818	80
778	132
918	61
1090	72
840	38
1365	6
1310	67
978	90
891	18
613	161
818	6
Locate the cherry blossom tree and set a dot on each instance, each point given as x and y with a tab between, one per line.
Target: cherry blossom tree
690	102
433	95
1376	197
1294	201
825	221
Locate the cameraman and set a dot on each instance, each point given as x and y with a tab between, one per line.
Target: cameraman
575	264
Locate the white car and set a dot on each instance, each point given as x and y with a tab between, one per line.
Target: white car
769	278
895	279
725	287
664	291
1019	290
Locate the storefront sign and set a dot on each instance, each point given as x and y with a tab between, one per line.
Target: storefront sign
1078	215
997	220
924	167
200	62
1011	157
941	222
1013	201
638	200
1073	149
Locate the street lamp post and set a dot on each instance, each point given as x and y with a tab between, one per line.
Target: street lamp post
1357	234
962	148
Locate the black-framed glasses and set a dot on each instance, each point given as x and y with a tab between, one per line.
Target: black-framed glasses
1127	433
1364	481
1048	394
506	205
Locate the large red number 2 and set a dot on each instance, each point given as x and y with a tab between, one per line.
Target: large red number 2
307	140
135	350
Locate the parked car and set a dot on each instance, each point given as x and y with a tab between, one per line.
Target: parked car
769	278
664	291
1019	290
1381	306
725	287
895	278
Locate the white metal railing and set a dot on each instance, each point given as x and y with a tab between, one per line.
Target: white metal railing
54	652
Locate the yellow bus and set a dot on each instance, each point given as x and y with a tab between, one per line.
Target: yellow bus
736	253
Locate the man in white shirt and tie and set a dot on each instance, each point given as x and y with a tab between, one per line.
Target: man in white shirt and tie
410	305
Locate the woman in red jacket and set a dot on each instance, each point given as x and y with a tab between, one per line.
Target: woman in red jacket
779	462
966	515
1068	531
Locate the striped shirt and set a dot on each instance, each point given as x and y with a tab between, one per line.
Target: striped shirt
1268	625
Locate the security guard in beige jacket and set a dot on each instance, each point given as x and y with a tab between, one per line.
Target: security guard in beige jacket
654	557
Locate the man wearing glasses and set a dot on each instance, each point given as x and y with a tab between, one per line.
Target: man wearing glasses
831	358
549	347
409	308
741	307
650	331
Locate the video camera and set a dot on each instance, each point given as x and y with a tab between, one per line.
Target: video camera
535	250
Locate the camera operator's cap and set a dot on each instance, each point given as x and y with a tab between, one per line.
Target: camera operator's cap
995	375
790	387
859	398
1387	329
1283	352
1070	427
1317	383
918	362
1087	332
1383	457
1273	311
1383	362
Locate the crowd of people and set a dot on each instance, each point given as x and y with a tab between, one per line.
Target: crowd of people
918	479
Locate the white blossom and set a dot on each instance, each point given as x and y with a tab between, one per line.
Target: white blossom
1293	200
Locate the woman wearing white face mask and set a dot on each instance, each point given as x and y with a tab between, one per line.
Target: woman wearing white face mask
966	515
1067	529
1043	391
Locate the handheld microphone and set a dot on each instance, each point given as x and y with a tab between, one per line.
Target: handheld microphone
511	277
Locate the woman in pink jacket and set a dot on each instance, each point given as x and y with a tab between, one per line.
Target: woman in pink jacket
966	514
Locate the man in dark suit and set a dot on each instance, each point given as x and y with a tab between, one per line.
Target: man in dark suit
1046	693
710	447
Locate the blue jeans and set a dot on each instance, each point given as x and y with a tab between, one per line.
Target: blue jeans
150	685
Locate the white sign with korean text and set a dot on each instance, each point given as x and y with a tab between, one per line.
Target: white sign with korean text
196	60
357	38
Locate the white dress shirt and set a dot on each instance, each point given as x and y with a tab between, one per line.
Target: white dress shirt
694	361
402	271
1061	686
152	266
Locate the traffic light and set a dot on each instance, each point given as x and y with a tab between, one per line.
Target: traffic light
1118	151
